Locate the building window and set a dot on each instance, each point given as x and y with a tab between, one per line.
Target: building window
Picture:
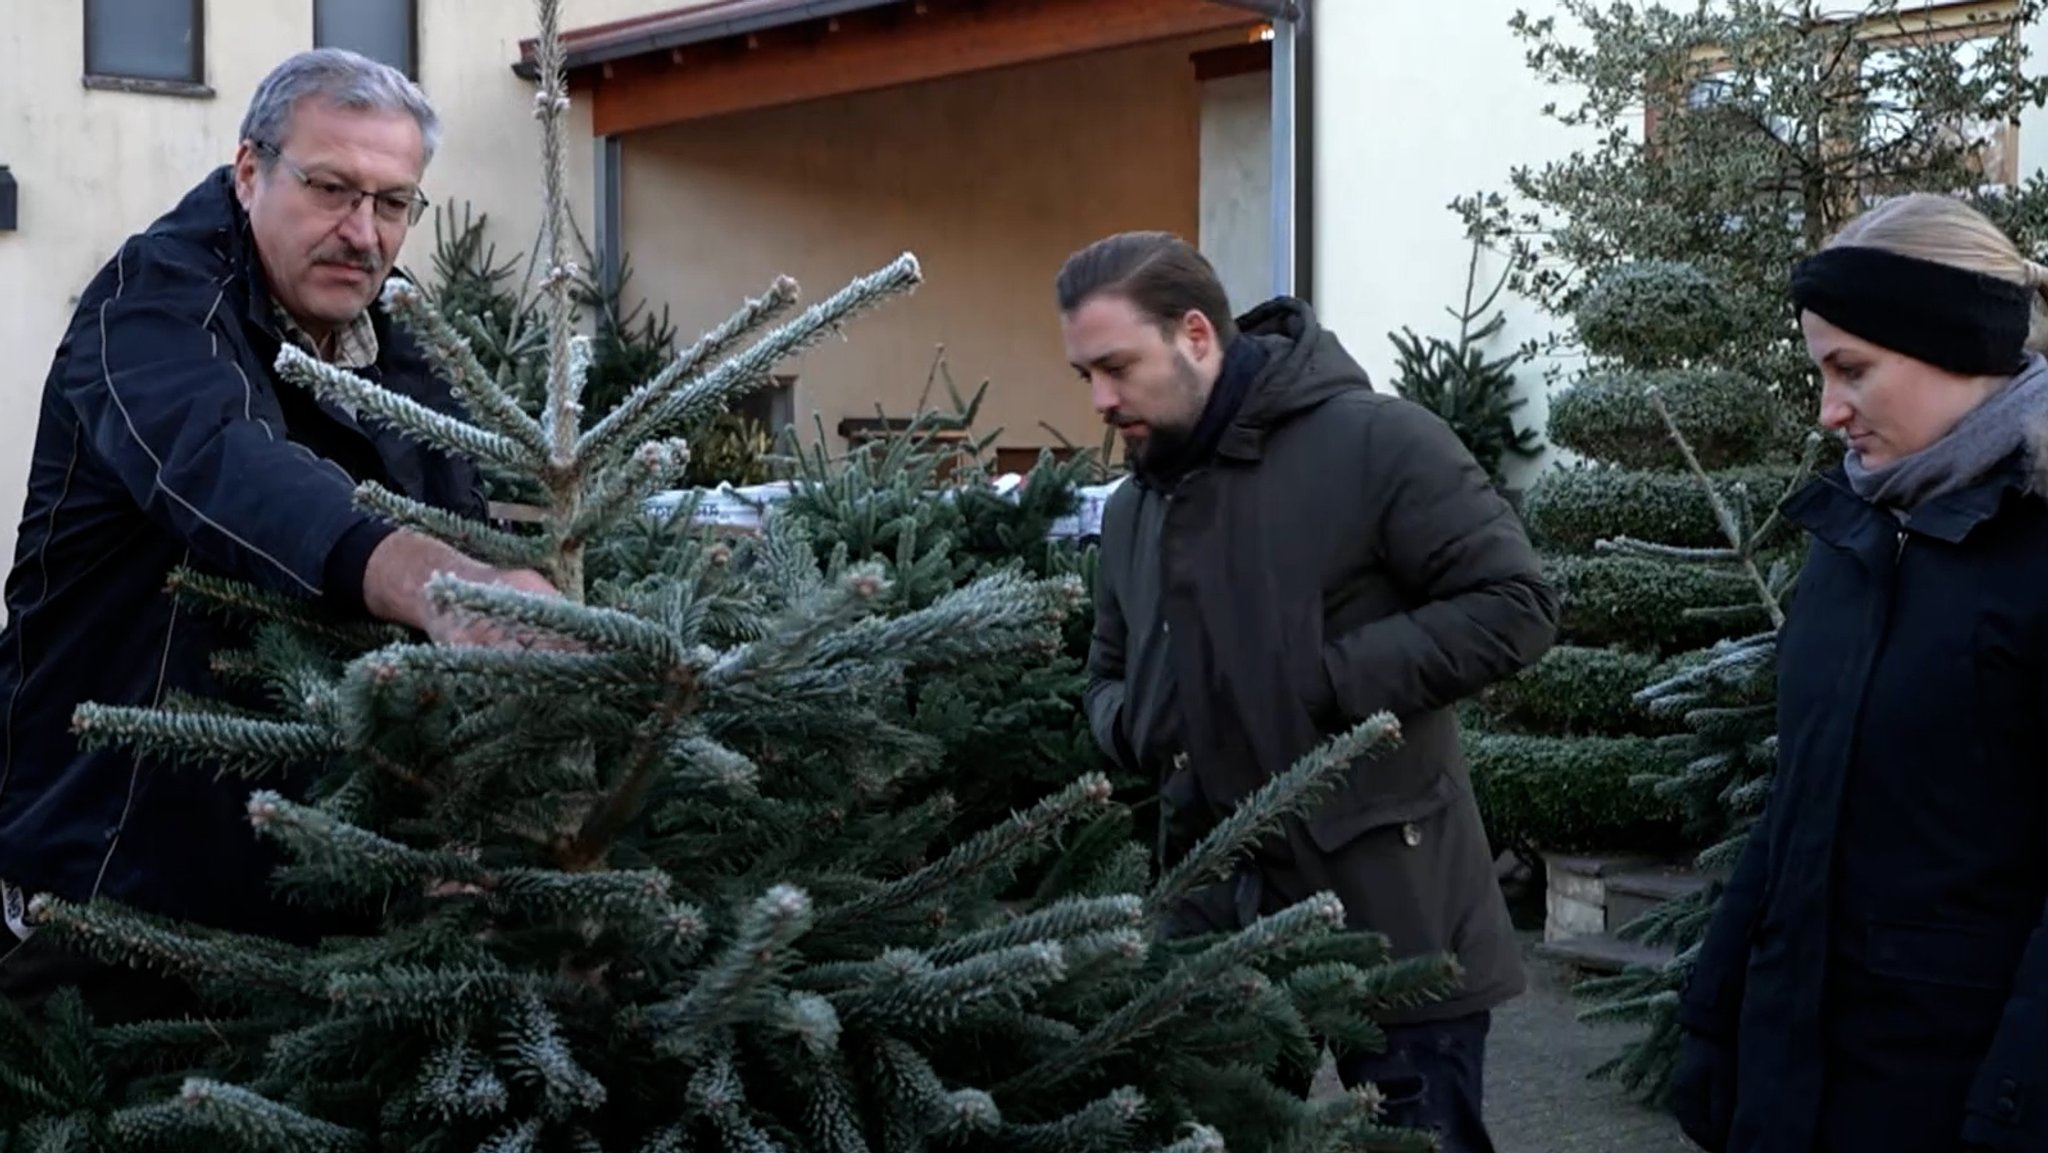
1863	57
385	30
771	406
146	45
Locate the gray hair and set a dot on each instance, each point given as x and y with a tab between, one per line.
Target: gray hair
341	79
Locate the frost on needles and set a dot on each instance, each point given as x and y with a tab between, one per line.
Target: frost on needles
653	884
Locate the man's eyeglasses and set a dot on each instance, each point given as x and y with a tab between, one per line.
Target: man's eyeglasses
341	199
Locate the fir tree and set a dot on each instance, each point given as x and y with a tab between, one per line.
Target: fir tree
655	881
1456	380
926	504
484	298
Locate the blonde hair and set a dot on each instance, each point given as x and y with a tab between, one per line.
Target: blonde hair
1943	229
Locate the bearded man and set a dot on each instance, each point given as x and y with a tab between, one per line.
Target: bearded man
1293	553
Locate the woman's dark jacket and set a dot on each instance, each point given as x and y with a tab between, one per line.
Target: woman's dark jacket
1876	976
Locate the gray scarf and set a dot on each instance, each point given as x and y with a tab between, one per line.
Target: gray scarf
1986	435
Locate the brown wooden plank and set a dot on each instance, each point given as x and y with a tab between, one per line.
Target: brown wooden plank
1022	460
1233	60
928	40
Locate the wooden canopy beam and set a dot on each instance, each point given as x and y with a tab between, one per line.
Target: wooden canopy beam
882	48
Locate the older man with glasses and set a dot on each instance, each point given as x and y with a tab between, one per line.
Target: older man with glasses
167	439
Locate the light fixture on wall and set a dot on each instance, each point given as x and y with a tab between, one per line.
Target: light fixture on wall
9	202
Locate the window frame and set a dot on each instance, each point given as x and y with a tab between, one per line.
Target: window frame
194	85
411	67
772	406
1938	22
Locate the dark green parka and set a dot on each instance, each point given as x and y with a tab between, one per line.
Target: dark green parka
1342	553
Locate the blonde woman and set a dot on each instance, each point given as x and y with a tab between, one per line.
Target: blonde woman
1876	976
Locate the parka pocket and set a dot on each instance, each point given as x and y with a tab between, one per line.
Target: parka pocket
1413	814
1955	956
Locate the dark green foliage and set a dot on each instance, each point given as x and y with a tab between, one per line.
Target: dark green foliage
928	504
472	290
1648	605
1576	690
1719	762
628	343
2021	212
1607	416
1585	742
1456	380
1655	314
1642	560
924	505
1573	509
1727	698
1719	779
1572	794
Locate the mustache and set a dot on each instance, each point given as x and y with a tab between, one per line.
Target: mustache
353	257
1119	420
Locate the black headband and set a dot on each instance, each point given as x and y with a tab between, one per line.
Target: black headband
1969	323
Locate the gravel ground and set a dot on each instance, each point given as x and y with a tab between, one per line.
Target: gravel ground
1538	1097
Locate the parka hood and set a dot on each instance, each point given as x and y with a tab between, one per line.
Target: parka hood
1305	366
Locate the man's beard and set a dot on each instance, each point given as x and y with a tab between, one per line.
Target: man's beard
1158	444
1166	442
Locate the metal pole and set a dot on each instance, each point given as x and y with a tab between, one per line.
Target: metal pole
1303	52
1282	160
1271	9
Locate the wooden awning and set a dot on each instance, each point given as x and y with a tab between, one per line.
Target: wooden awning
726	56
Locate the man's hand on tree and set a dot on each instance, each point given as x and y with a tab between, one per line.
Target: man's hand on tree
460	627
395	583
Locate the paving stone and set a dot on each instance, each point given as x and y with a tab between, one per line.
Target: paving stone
1603	953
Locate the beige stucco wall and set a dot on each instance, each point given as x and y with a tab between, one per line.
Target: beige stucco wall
2033	143
1418	104
990	179
94	166
1237	184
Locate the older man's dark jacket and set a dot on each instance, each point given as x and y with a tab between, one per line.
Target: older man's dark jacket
1340	553
167	439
